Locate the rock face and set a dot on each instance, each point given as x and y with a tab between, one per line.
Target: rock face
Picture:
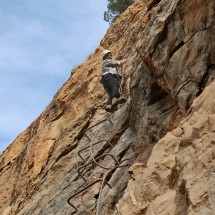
155	155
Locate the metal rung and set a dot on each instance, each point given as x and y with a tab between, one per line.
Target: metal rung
104	120
95	161
95	126
80	191
92	161
79	152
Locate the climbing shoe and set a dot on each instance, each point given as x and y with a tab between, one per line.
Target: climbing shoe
109	109
119	101
122	100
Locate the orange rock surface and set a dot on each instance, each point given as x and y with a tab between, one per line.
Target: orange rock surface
164	133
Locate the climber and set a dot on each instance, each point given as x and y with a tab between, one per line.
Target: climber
111	80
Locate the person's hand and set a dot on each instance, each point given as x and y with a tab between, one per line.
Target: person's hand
122	61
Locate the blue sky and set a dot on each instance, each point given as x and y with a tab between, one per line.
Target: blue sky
40	42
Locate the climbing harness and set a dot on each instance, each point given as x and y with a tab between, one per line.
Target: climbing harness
95	161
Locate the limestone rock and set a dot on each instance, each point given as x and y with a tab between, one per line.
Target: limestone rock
155	155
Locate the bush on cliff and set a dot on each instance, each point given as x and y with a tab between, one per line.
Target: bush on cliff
115	8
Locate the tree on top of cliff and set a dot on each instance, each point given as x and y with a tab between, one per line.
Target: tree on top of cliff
115	8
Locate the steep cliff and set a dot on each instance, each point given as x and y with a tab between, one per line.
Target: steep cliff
155	155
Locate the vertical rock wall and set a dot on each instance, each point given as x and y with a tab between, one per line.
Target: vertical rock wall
167	164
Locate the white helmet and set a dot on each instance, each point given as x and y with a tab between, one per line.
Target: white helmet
104	52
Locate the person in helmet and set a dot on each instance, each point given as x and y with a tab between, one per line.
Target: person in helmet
110	80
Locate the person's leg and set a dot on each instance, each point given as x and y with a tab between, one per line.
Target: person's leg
108	86
115	94
115	90
112	89
109	101
117	100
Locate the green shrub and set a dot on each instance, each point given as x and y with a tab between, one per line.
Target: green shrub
115	8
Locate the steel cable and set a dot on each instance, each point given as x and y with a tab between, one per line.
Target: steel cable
94	159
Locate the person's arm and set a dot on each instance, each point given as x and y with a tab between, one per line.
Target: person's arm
122	61
114	63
